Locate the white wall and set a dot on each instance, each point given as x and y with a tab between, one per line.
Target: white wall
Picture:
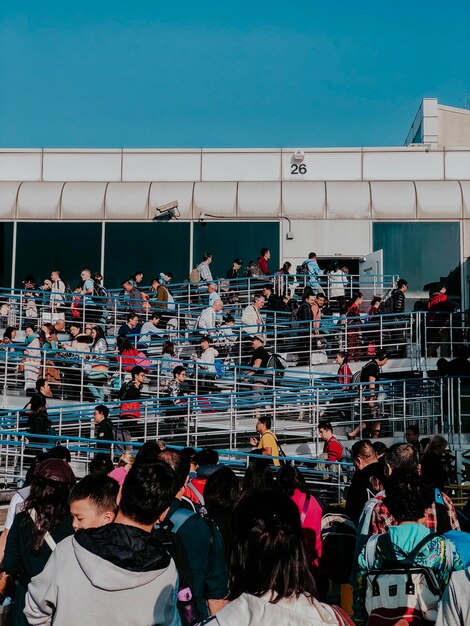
339	164
326	237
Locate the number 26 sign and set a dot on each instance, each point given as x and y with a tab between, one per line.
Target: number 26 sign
296	168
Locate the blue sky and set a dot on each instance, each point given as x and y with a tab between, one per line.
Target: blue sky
201	73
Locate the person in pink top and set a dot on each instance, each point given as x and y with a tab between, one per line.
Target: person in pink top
119	473
292	483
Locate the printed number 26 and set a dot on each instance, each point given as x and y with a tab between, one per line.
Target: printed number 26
298	169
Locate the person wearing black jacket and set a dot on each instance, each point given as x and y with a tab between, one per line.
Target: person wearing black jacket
232	273
104	427
130	405
398	296
398	307
360	490
304	318
38	424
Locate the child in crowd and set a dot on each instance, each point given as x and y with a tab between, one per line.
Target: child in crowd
93	501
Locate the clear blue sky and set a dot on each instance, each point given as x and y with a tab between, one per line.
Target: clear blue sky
201	73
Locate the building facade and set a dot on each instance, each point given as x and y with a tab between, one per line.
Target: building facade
66	209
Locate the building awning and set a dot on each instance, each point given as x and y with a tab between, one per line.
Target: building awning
137	201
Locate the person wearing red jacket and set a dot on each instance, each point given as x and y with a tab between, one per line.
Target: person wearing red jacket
263	261
332	447
440	309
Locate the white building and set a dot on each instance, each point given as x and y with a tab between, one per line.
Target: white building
71	208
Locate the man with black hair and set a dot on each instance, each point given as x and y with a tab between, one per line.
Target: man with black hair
397	332
117	569
232	273
43	391
150	329
131	326
129	394
332	447
267	442
263	259
412	436
138	300
398	296
93	501
202	542
103	427
205	274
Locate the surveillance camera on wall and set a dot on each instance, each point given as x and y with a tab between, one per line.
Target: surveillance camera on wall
167	212
298	156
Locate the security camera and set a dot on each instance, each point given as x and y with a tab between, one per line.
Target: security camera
202	217
167	212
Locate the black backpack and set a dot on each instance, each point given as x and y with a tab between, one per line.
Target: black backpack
100	295
338	535
276	362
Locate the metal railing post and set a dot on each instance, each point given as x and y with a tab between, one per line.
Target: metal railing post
231	421
361	396
82	376
404	406
450	337
5	382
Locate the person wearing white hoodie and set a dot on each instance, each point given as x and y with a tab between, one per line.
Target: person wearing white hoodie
118	573
206	362
271	582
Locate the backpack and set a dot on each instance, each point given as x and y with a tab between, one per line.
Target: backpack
399	589
302	270
355	380
219	368
386	306
194	276
338	535
123	438
100	294
253	269
277	362
356	377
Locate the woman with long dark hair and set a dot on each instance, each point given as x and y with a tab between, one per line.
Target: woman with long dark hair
271	582
221	493
344	371
44	522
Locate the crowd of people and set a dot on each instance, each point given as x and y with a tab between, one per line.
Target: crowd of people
169	537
